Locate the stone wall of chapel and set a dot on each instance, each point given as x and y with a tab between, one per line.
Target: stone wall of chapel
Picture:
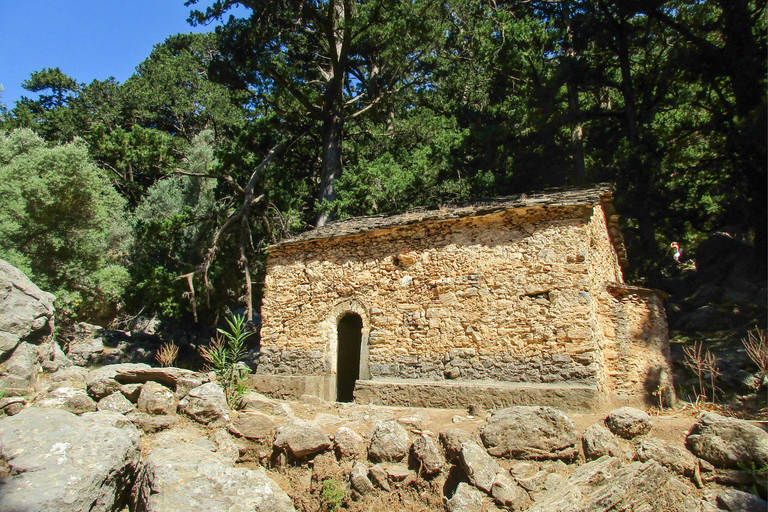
636	352
603	268
504	296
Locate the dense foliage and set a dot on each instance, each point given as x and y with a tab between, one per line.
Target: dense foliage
365	107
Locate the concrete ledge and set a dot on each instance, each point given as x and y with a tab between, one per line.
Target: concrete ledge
291	387
490	395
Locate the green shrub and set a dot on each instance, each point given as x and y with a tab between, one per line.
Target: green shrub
332	495
63	224
224	356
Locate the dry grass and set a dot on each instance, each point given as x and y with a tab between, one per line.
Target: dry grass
167	354
756	345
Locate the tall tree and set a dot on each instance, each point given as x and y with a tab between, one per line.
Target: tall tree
330	60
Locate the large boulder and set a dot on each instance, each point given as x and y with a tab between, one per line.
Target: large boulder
347	443
606	484
728	442
426	455
156	399
480	468
64	462
628	422
180	380
18	374
86	344
185	476
466	499
253	425
206	404
74	400
672	458
597	441
26	312
389	442
358	479
451	439
301	439
526	432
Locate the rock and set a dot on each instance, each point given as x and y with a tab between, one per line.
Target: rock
311	399
151	424
86	344
525	432
523	470
728	442
451	439
156	399
112	370
379	477
412	422
204	442
71	376
553	481
606	484
52	357
389	442
254	401
534	482
109	418
674	459
358	478
26	312
179	380
72	400
252	425
131	391
508	494
465	499
100	385
12	406
301	439
206	404
115	402
348	443
225	445
328	419
628	422
101	381
69	464
398	472
427	456
740	501
18	374
188	477
598	441
479	467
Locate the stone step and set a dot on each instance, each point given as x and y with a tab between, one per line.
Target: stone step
487	394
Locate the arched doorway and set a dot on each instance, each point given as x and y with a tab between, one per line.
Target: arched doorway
350	334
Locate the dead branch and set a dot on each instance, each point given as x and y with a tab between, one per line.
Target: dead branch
239	215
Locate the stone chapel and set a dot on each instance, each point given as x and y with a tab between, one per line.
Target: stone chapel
515	301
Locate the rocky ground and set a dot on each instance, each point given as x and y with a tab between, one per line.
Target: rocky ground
132	437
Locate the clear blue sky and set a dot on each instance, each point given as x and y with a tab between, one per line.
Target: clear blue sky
87	39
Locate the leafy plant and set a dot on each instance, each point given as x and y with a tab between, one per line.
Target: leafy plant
224	355
332	495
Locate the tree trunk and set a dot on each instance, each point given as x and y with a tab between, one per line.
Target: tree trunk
333	123
574	110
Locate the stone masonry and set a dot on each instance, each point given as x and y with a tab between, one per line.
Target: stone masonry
513	295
